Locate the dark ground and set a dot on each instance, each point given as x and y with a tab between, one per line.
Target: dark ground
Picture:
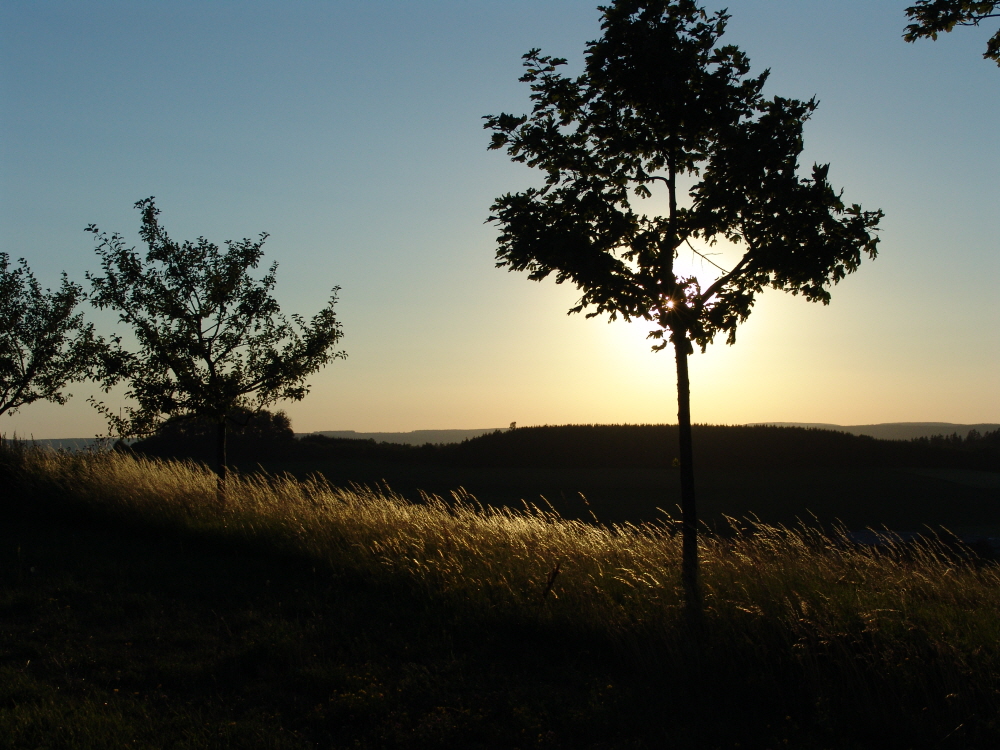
112	637
115	635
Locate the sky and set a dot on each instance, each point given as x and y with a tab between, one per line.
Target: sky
351	132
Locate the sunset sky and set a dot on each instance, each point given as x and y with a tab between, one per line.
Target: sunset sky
352	133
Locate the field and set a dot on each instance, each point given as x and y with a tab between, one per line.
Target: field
780	475
896	498
136	611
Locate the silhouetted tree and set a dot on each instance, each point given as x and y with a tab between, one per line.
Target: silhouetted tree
211	339
252	436
44	343
660	101
934	16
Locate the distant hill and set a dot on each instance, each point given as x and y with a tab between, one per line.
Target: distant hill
717	448
894	430
415	437
884	431
69	444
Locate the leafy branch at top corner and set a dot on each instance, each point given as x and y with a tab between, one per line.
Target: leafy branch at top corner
932	17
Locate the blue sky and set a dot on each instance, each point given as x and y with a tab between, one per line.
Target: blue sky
352	133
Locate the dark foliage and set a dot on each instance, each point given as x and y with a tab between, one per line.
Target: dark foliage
321	447
253	436
974	441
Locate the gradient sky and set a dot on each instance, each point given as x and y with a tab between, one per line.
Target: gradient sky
351	132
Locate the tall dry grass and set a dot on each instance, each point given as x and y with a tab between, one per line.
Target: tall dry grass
884	633
615	578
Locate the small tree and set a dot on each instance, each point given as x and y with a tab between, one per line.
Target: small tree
211	339
660	101
935	16
44	343
252	436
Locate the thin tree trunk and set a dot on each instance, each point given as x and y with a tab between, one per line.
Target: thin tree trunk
689	513
222	463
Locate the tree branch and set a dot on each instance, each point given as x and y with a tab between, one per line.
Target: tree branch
702	255
723	280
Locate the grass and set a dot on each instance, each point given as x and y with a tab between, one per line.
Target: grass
894	497
305	615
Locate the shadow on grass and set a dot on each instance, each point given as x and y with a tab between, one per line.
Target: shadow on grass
114	635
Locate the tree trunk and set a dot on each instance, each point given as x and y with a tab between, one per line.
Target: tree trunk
221	462
689	513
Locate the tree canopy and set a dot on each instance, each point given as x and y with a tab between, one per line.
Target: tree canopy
254	436
661	101
44	342
210	338
931	17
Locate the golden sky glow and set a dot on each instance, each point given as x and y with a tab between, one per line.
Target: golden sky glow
375	176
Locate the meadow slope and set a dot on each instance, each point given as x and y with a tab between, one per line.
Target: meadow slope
806	638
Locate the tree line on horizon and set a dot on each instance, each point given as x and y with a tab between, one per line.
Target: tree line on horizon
266	437
661	100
